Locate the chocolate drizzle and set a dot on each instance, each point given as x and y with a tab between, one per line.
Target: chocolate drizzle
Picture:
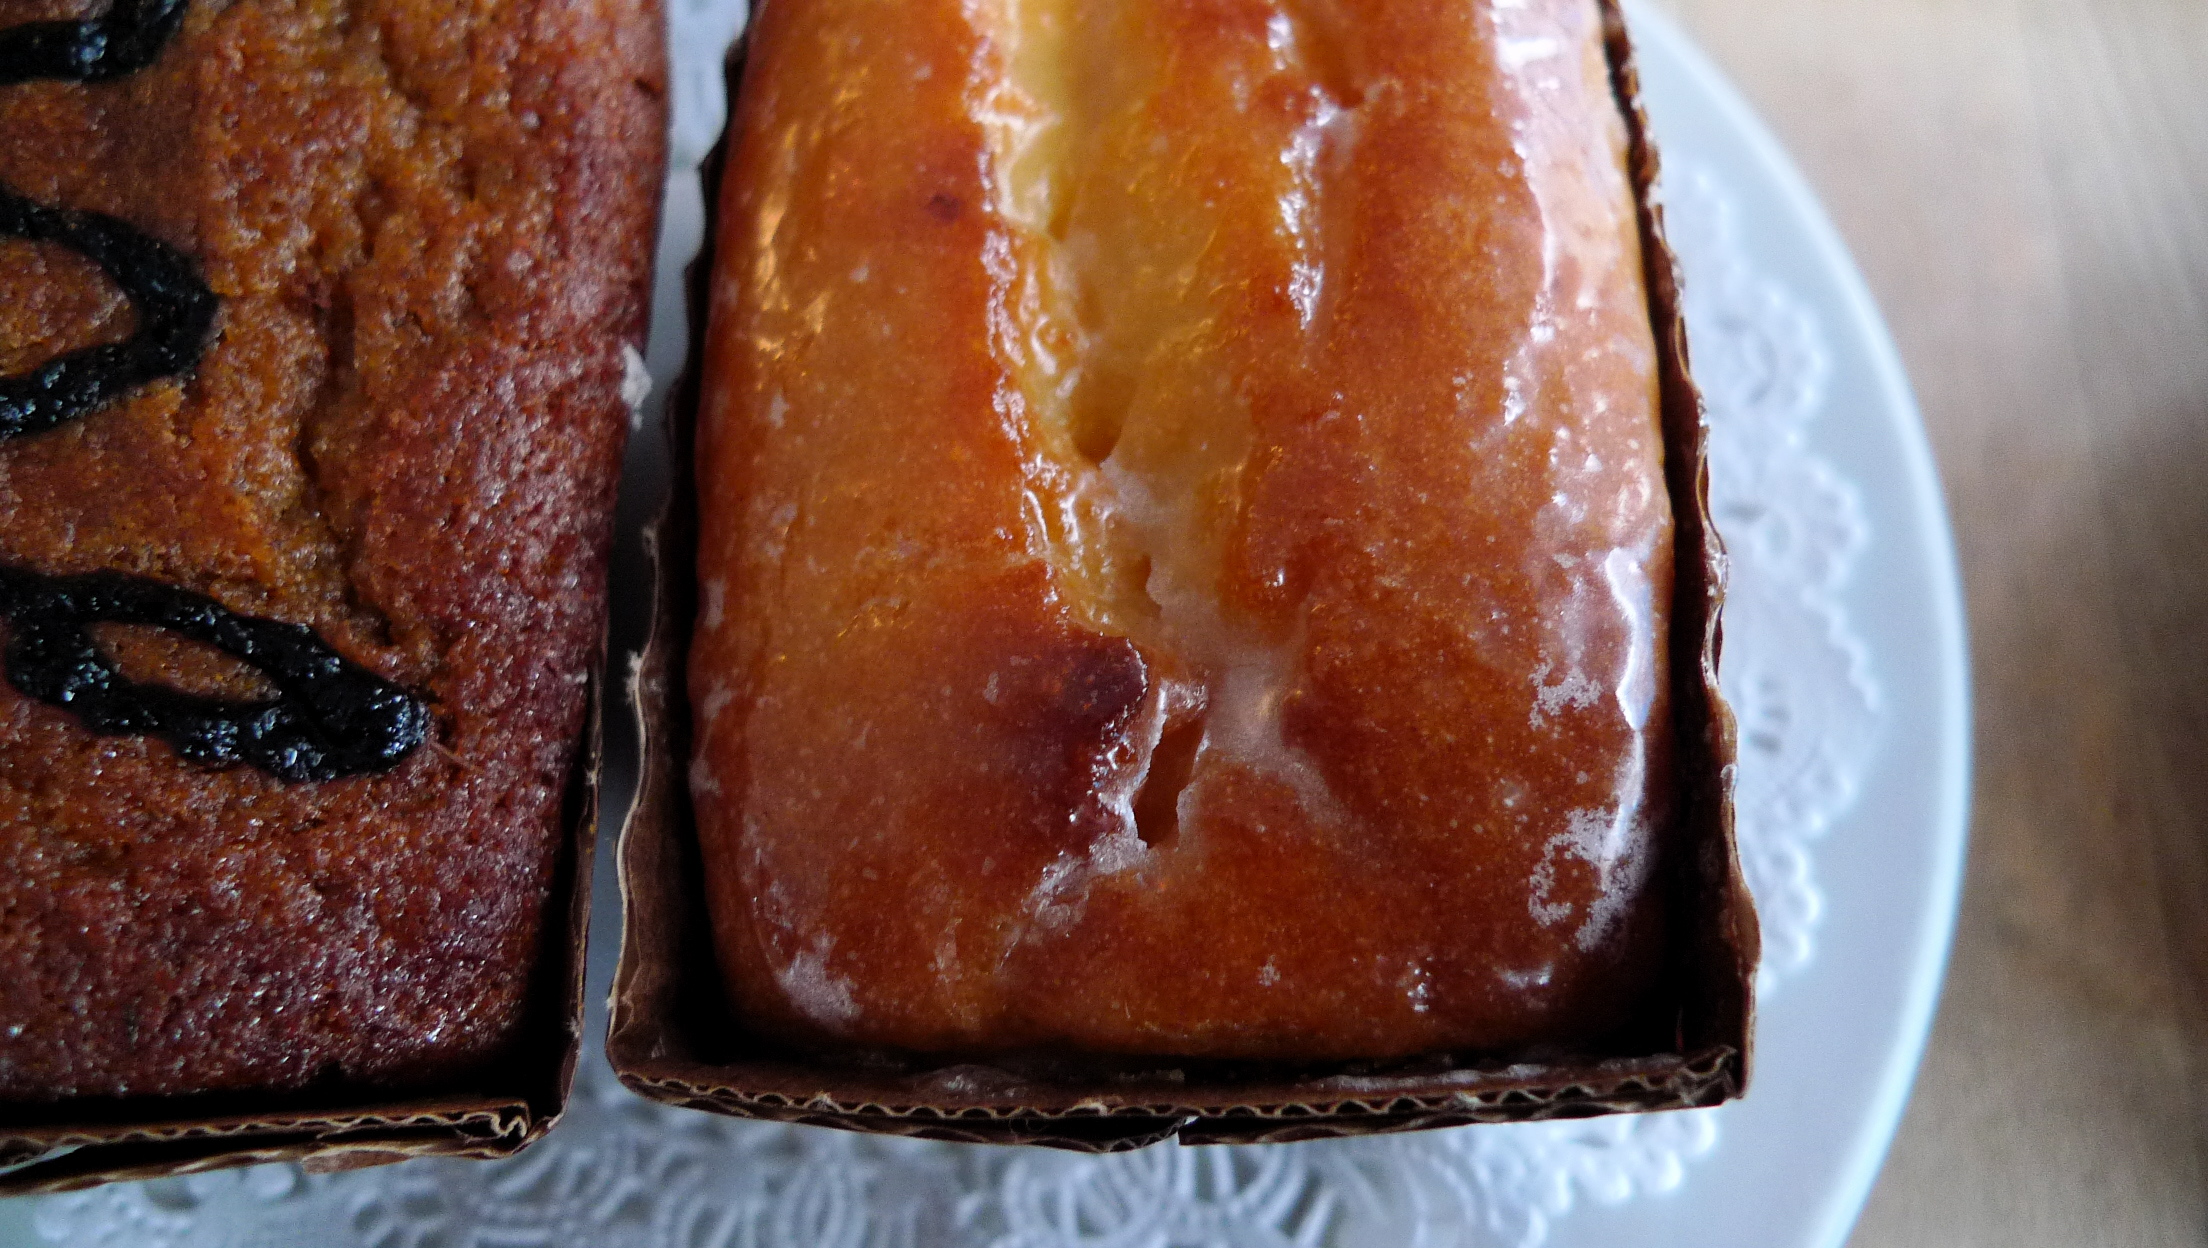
123	41
333	717
176	315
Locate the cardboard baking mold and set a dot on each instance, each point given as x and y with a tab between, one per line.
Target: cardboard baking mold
674	1036
81	1142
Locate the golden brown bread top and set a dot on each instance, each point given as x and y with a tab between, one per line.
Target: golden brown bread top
430	225
1184	547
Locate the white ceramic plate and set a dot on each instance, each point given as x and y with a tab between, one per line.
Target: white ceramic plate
1846	660
1840	1035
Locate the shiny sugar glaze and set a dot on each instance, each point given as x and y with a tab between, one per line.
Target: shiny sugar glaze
1184	545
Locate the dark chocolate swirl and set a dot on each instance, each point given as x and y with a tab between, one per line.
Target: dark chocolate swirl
176	316
126	39
333	717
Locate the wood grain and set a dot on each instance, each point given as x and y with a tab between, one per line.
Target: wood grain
2025	183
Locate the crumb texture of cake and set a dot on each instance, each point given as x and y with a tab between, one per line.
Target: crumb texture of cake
1185	562
429	229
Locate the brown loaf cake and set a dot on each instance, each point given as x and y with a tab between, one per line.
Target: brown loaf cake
1184	552
429	226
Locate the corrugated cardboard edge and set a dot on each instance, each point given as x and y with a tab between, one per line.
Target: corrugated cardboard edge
522	1095
667	997
1727	948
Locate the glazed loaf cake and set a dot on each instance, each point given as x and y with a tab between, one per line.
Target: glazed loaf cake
1184	550
315	324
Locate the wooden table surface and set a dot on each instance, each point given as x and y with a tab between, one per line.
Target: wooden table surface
2025	183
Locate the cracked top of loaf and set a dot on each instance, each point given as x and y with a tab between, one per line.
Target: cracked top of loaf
1185	558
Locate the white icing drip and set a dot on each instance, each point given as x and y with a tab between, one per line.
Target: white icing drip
1119	850
703	783
1417	985
779	522
1299	205
819	994
1019	127
1612	839
1089	521
1247	679
716	700
1244	726
636	384
1574	691
1522	981
1626	572
1059	879
1516	54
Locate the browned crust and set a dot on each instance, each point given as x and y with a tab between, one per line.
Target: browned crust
475	1108
83	1144
669	1005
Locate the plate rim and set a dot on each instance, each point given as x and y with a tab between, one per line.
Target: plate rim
1949	818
